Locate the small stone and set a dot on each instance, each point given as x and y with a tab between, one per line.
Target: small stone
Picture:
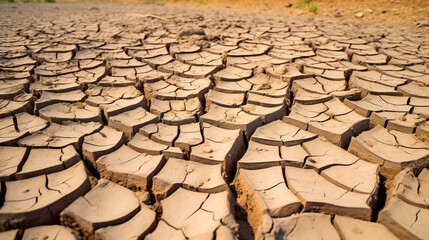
359	15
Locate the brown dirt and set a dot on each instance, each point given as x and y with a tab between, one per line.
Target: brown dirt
391	13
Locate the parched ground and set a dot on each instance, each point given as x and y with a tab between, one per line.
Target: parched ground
154	121
391	13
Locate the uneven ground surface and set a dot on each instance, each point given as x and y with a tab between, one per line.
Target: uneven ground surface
401	14
392	13
126	121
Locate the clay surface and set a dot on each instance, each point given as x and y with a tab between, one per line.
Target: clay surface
164	120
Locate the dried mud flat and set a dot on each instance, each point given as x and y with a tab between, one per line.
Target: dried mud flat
137	121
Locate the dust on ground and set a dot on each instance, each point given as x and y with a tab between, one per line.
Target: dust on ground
390	13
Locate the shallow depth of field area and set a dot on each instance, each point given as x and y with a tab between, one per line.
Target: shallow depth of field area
204	119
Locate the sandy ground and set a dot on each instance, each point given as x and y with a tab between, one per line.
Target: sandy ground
391	13
203	123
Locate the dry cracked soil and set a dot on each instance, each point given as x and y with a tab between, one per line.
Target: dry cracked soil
148	121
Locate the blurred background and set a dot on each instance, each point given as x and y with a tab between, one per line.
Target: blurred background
384	12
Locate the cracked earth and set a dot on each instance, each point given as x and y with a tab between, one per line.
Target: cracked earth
146	121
